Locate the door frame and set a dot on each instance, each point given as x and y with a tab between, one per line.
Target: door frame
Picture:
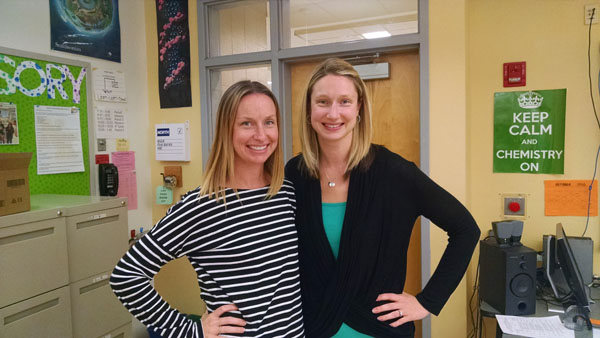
280	60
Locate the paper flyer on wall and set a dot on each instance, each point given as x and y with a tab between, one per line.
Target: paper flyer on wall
109	85
172	142
110	122
128	188
58	140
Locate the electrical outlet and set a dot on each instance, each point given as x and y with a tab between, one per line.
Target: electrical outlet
591	11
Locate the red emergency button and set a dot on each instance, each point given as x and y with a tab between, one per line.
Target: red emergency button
514	206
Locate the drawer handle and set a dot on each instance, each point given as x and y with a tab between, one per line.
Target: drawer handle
93	286
25	236
30	311
120	335
99	221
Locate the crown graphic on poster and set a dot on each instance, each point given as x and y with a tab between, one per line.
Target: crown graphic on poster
530	100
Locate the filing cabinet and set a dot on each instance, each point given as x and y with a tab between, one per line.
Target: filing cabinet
46	315
55	265
95	309
33	258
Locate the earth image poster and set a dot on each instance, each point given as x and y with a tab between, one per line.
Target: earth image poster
86	27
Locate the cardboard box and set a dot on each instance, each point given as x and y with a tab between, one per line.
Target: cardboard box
14	183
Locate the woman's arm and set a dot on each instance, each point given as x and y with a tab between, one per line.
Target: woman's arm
448	213
131	280
445	211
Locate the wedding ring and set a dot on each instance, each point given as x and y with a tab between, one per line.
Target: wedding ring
399	313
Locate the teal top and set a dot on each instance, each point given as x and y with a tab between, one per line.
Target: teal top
333	220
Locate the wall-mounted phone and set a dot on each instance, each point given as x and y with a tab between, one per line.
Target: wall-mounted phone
108	179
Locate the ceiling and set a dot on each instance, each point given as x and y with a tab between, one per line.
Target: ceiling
324	21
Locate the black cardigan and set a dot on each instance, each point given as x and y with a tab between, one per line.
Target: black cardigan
384	201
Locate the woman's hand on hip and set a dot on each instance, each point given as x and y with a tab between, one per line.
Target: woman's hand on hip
404	308
213	324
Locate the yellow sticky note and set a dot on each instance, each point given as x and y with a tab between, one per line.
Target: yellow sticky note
570	197
122	144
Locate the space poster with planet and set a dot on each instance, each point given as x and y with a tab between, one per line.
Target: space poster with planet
86	27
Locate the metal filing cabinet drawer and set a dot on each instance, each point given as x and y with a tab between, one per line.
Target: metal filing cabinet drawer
47	315
33	259
122	332
97	240
95	308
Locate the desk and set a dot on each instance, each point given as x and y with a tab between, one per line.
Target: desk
541	310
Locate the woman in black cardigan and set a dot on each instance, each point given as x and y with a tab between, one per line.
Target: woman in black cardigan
356	207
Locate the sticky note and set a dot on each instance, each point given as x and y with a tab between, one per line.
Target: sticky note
122	144
164	195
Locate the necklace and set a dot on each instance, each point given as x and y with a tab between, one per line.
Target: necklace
330	182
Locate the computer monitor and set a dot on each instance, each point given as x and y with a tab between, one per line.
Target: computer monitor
568	265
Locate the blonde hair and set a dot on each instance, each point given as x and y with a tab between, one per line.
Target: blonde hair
220	165
362	134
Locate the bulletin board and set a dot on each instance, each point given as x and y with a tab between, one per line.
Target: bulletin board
29	79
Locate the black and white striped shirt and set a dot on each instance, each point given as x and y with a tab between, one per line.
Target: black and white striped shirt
244	252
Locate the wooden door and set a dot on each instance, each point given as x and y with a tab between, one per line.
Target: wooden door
395	104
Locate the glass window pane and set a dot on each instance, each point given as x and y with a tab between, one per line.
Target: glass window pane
238	27
221	79
316	22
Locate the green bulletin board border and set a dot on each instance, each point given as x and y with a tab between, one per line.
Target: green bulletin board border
80	183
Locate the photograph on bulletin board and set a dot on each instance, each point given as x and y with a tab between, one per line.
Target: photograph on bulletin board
9	128
89	28
43	111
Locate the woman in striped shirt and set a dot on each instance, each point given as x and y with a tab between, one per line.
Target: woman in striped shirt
237	230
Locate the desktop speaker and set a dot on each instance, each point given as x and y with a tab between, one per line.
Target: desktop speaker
507	277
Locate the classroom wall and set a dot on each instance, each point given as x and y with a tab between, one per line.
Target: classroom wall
176	281
551	37
448	137
25	25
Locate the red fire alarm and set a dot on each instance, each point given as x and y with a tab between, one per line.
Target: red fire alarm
514	74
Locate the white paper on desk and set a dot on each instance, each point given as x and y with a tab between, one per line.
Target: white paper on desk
538	327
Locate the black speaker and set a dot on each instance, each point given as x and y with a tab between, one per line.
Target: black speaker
507	277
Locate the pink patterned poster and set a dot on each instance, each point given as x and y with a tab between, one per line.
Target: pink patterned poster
174	86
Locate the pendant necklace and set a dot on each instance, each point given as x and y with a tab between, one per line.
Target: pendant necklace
330	182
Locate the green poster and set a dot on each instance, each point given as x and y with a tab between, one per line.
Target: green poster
529	132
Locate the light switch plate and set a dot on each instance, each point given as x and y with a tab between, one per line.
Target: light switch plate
101	144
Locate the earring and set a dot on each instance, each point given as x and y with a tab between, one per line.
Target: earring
358	119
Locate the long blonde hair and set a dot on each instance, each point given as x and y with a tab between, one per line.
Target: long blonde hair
363	130
220	165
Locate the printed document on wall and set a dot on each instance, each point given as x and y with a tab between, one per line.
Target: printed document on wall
58	140
172	142
110	122
109	85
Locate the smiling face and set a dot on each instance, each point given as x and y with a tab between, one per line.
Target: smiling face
255	132
334	108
